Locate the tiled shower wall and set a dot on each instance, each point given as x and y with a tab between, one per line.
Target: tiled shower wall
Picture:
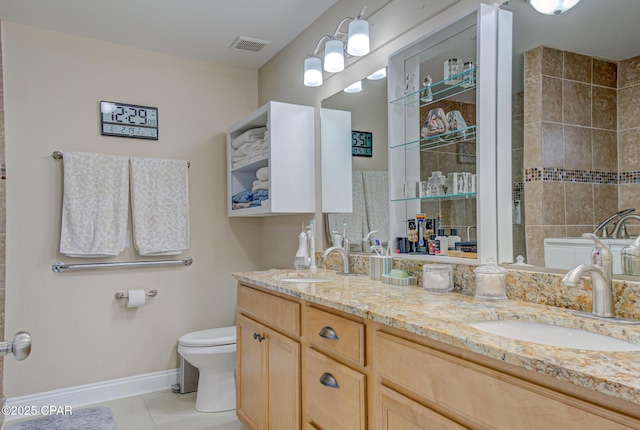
580	151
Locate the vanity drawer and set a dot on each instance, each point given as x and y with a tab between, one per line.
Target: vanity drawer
277	312
471	393
335	394
335	333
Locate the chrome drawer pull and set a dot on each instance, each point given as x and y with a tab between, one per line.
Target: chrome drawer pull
328	380
328	333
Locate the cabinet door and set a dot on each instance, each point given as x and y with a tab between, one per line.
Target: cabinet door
283	381
396	412
249	392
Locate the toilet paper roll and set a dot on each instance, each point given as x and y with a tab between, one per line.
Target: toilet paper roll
137	298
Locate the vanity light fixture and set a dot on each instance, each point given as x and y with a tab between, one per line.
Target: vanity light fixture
334	56
355	42
356	87
552	7
379	74
312	72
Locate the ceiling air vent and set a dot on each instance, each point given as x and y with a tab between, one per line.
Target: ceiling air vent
244	43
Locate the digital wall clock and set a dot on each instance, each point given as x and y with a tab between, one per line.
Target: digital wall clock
361	144
125	120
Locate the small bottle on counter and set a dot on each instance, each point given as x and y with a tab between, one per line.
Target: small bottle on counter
453	238
443	243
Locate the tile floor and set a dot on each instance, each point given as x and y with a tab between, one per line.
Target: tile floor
165	410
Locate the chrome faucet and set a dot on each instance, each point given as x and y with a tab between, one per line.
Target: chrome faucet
602	227
343	254
365	241
620	230
600	269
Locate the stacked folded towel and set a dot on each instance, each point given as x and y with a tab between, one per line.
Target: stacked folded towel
251	145
258	193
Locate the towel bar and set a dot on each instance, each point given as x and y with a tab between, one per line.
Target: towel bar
151	293
57	155
59	266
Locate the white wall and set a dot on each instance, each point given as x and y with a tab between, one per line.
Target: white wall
53	83
394	24
368	113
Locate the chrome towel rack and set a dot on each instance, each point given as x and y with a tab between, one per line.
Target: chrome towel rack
151	293
59	266
57	155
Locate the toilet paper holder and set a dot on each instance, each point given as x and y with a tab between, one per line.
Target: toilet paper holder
151	293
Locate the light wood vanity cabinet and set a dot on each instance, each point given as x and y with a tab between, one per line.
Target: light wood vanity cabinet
335	371
268	360
421	387
301	365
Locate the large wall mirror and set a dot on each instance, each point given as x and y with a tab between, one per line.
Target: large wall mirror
368	109
576	127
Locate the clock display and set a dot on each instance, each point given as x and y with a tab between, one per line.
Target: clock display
361	144
125	120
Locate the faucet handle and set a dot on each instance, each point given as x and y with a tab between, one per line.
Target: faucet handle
601	255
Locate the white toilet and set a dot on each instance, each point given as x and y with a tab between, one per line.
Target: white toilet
213	353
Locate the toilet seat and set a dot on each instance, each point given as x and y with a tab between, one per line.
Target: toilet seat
210	337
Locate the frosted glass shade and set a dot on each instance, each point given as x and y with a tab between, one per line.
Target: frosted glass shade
334	56
356	87
358	40
552	7
312	72
379	74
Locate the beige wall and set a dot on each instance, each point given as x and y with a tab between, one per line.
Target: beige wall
394	24
52	86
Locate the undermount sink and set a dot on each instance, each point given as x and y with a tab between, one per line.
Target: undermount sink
306	280
546	334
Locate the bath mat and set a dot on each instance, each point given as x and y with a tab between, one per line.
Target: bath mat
98	418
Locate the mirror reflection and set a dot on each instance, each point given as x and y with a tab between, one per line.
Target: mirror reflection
576	126
369	220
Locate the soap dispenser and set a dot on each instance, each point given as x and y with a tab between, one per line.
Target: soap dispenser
302	256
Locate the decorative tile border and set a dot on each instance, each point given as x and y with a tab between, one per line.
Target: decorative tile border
560	174
517	189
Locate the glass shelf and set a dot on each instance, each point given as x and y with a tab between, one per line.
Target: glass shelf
441	90
443	197
444	139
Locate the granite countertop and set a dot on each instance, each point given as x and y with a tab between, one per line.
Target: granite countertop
445	317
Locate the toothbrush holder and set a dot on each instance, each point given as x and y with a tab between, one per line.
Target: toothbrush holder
379	265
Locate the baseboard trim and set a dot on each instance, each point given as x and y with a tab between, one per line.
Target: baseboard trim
98	392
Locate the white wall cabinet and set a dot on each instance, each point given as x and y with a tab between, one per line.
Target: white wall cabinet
289	157
480	92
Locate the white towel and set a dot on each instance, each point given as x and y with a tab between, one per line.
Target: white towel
376	197
356	221
159	205
262	174
260	185
95	204
248	136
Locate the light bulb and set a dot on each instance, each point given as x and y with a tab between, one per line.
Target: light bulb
356	87
382	73
552	7
334	56
358	39
312	72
